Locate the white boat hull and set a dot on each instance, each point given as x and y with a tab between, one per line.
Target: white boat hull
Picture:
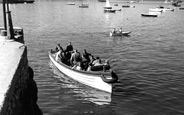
155	10
120	34
91	80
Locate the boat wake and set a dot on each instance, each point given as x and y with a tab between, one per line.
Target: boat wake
82	92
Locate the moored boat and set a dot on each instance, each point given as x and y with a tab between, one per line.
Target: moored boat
181	8
109	10
125	6
84	6
101	80
70	3
155	10
164	9
149	15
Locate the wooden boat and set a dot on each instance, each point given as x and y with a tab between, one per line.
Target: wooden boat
164	9
175	4
181	8
120	33
168	9
149	15
108	8
70	3
125	6
84	6
128	6
101	80
101	0
155	10
118	10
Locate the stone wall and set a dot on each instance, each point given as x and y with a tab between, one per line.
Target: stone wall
18	90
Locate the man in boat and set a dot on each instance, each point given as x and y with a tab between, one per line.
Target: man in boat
75	58
86	55
69	47
85	59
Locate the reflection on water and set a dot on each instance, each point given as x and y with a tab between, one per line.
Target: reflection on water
81	92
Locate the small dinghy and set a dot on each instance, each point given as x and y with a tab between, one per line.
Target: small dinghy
149	15
120	33
164	9
155	10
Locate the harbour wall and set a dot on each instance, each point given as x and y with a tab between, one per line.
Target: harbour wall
18	90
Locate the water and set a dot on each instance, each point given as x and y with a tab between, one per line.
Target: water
149	63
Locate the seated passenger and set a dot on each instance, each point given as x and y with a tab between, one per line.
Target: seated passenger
97	61
58	55
120	30
86	55
69	47
76	57
77	66
85	60
114	31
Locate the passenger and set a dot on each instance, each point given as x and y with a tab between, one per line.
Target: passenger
58	48
69	47
92	58
77	66
86	55
106	65
114	31
120	30
76	57
89	67
63	58
85	60
97	62
58	55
